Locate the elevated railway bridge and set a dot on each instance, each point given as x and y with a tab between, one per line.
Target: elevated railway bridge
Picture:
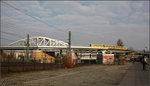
46	44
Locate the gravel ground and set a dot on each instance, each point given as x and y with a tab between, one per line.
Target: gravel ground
93	75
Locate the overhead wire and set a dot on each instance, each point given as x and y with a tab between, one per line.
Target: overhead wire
8	33
12	28
32	17
7	39
60	30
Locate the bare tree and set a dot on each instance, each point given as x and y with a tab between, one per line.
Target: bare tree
120	43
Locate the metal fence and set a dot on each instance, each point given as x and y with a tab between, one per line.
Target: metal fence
10	65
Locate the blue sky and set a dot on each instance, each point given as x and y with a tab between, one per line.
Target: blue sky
97	22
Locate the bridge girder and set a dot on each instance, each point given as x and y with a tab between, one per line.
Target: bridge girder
39	41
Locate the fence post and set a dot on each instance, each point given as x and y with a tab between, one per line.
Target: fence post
90	59
81	57
8	63
43	64
23	63
34	63
118	59
50	63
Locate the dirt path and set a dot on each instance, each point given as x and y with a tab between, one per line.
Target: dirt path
94	75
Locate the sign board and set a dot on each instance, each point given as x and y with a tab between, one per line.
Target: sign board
108	58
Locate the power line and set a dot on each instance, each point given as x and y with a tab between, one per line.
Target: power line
12	27
32	16
6	39
25	13
12	34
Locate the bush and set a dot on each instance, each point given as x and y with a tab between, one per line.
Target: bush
68	60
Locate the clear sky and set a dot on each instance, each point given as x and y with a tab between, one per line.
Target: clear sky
96	22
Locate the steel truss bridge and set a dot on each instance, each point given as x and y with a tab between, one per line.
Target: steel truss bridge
45	43
39	42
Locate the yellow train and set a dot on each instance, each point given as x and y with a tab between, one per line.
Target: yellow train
108	46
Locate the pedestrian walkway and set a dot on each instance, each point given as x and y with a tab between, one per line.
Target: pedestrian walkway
136	76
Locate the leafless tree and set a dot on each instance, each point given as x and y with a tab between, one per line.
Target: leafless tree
120	43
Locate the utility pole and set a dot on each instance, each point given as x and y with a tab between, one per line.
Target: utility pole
27	47
69	41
